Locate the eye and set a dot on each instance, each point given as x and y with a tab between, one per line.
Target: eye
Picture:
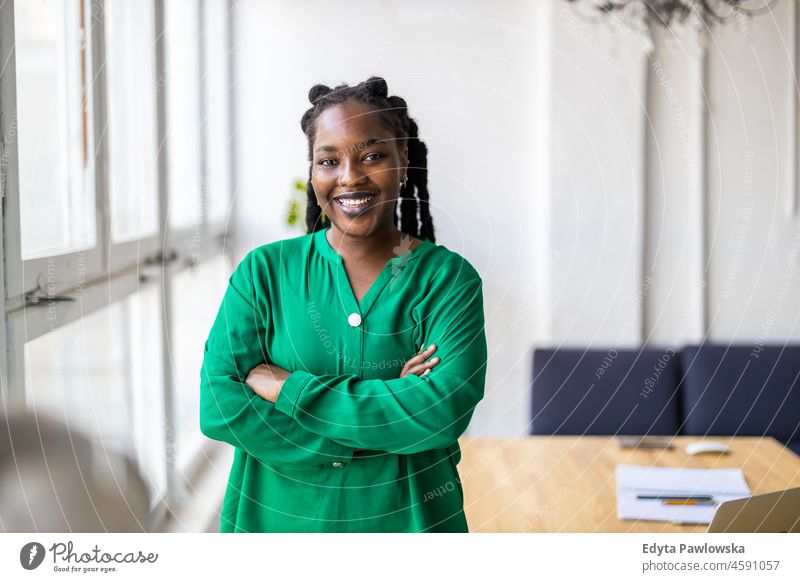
375	156
327	162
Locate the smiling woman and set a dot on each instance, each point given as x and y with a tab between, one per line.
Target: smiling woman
363	142
314	368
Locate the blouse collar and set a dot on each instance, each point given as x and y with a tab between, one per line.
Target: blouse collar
326	250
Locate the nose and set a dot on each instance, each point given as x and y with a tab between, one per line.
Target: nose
351	174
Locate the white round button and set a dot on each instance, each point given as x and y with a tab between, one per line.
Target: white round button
336	464
354	319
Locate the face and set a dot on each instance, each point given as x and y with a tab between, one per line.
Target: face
356	169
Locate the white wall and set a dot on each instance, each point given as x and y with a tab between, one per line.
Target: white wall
753	223
671	216
470	72
595	217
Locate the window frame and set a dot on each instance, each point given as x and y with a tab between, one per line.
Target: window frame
112	271
29	275
122	255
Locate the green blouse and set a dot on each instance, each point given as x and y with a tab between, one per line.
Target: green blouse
295	467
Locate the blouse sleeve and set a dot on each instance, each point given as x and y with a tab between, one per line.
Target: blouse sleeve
229	410
414	413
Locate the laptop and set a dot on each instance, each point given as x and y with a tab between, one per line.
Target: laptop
777	512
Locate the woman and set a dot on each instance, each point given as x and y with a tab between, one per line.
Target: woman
307	370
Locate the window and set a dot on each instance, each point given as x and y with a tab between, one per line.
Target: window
183	113
102	375
217	84
54	108
133	146
193	315
104	323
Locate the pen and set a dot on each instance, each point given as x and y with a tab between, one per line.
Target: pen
677	497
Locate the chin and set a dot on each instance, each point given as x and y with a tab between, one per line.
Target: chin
363	226
356	228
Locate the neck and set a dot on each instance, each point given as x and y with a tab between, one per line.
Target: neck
375	247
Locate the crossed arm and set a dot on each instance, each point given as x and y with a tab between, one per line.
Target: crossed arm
300	418
266	380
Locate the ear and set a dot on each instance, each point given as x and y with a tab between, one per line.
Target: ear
404	158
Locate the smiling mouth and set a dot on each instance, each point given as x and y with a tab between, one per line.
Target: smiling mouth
356	202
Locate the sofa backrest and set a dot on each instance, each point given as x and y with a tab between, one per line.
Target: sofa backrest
741	390
605	392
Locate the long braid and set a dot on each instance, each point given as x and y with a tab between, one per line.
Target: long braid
314	219
393	113
418	176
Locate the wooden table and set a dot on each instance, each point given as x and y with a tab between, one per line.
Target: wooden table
566	484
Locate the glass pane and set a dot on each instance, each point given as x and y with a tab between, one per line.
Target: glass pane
183	112
54	127
197	293
102	375
147	380
133	143
216	82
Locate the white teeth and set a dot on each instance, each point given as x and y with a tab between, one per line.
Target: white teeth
357	202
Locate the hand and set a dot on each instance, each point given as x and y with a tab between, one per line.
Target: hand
417	364
266	380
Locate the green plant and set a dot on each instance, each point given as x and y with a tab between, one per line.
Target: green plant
297	204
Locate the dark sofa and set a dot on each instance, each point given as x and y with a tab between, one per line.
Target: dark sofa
698	390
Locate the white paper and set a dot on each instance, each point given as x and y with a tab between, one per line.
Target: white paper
721	484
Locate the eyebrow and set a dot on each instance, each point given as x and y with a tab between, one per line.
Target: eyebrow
359	146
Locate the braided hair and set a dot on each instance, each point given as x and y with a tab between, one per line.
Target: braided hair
414	217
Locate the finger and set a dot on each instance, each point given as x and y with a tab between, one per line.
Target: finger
422	373
417	359
422	355
414	360
430	363
418	369
429	350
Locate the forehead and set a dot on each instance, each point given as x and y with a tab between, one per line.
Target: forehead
349	122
